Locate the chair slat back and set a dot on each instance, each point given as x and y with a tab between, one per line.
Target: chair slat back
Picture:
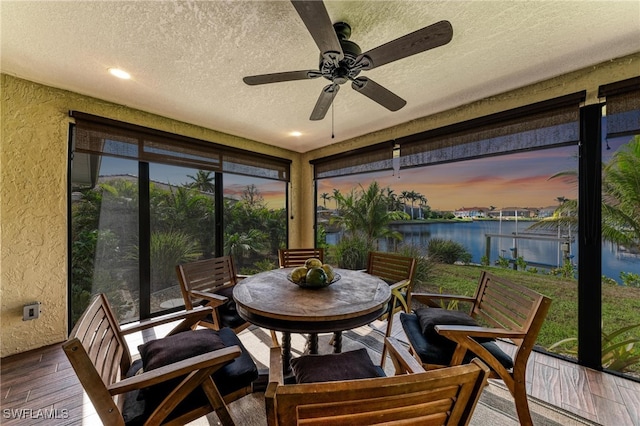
99	355
392	268
208	275
99	333
446	396
290	258
504	304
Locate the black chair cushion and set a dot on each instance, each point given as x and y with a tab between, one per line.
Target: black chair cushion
335	367
235	375
430	317
228	312
160	352
434	352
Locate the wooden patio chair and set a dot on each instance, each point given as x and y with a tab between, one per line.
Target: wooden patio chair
440	397
398	271
290	258
166	386
210	282
512	312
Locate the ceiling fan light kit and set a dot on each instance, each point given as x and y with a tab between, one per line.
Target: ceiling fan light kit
342	60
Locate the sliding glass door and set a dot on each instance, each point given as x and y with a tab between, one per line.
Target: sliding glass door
104	234
143	201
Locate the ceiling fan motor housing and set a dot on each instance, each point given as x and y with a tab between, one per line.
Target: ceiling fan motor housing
343	71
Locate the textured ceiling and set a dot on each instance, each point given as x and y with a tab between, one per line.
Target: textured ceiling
187	59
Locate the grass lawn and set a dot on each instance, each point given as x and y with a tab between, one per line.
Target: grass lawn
621	305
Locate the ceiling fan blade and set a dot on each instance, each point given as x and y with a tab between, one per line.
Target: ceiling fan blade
378	93
419	41
281	76
324	102
316	18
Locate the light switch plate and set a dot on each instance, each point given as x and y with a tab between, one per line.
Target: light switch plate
31	311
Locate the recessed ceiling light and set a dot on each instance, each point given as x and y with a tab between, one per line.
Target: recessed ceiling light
120	73
295	133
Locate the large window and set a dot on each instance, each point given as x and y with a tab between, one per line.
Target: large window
182	227
255	222
621	228
104	234
513	191
144	201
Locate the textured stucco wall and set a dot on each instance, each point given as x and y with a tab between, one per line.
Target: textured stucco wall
33	216
33	197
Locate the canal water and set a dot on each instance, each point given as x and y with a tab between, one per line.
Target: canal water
472	235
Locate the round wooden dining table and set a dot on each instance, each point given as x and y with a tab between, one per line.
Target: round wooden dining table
270	300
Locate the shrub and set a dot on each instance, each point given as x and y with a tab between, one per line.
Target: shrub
352	251
167	250
630	279
447	251
502	262
259	266
567	270
423	264
619	350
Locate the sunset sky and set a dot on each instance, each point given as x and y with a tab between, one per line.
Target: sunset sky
516	180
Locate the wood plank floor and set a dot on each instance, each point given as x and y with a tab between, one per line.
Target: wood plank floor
600	397
40	387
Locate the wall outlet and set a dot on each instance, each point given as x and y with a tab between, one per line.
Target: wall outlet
31	311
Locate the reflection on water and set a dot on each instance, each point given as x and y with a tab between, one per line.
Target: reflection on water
472	236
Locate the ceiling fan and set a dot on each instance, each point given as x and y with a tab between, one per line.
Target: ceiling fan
342	60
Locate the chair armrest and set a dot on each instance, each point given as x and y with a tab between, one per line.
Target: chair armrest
242	276
399	285
213	298
462	335
403	361
276	378
428	298
453	331
275	366
210	360
188	318
398	296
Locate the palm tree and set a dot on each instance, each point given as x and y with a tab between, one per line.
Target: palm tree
388	192
620	198
367	211
621	195
325	196
240	245
413	196
337	196
202	181
405	195
422	202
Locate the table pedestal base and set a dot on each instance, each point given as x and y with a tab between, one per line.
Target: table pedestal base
286	353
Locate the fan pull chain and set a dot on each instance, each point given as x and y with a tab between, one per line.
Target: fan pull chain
333	98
